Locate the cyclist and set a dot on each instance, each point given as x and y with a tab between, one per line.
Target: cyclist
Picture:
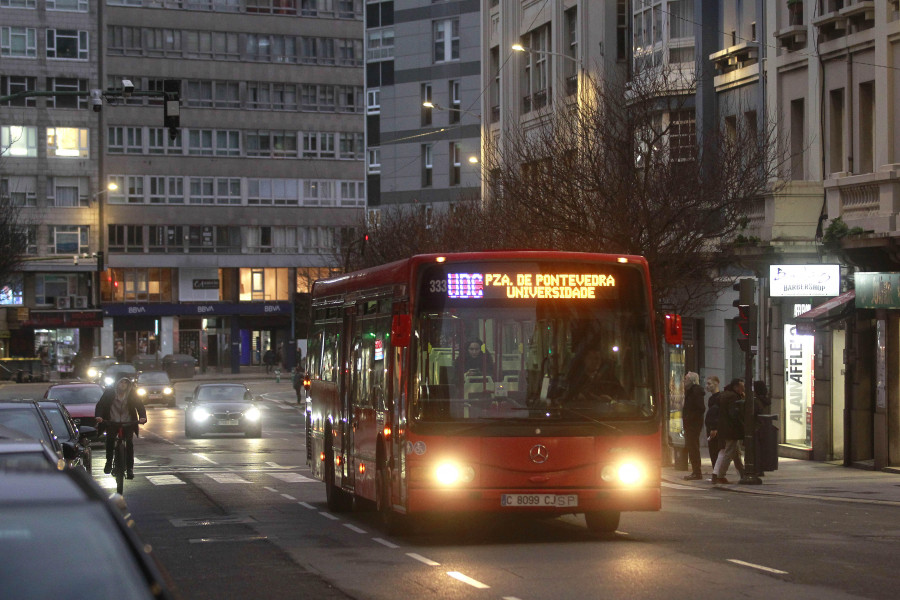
119	405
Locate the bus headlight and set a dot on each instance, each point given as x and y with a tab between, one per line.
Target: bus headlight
451	473
252	414
629	473
200	414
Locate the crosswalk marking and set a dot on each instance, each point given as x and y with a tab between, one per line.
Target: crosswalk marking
293	478
226	478
164	480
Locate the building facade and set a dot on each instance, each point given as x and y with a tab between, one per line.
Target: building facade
209	231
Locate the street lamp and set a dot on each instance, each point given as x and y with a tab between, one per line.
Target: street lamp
579	76
436	106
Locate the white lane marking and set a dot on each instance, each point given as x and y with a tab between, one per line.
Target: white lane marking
288	496
198	455
329	516
510	598
271	489
164	480
422	559
293	478
307	505
138	461
760	567
226	478
352	527
275	465
679	486
385	543
285	407
465	579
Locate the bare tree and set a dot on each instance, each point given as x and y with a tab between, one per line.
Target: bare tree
619	172
13	234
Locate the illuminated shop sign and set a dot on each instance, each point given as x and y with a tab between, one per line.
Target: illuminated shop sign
799	371
524	285
877	290
804	280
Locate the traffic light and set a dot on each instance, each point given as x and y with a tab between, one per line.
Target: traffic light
172	106
673	333
747	312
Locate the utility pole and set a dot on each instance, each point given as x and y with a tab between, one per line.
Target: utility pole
748	341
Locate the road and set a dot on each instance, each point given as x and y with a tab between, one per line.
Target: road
232	517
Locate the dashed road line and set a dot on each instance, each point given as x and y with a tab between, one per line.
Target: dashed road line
384	542
329	516
271	489
307	505
754	566
288	496
468	580
209	460
423	559
353	527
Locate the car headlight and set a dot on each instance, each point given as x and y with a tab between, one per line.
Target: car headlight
628	473
141	392
252	414
451	473
167	391
92	372
200	414
108	380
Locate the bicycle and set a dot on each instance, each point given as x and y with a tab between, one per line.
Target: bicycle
120	458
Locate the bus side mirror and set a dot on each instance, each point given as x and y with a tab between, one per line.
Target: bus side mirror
401	329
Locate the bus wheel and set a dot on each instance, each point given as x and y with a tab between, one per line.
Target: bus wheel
337	499
390	520
602	521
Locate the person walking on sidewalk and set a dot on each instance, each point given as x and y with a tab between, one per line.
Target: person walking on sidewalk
692	421
730	430
712	419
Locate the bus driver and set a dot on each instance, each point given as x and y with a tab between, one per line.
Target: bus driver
597	380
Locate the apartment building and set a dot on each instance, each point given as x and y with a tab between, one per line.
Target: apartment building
423	91
211	228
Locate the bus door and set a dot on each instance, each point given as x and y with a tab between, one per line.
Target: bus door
397	384
345	392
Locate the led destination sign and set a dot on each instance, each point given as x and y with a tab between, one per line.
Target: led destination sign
523	285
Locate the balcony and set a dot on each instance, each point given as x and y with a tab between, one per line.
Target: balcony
735	64
787	218
870	201
831	25
792	38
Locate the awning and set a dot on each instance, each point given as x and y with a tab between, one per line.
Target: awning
831	310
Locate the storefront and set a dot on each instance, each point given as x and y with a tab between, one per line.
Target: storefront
58	335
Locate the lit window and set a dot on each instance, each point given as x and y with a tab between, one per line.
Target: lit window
67	142
17	141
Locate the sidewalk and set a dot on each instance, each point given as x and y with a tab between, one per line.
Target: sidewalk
807	479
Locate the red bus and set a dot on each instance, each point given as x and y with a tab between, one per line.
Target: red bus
514	382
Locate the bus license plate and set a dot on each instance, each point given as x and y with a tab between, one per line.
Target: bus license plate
555	500
228	422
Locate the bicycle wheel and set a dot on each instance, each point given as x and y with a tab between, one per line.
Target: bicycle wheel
118	467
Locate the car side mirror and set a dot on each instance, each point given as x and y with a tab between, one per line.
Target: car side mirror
188	399
69	450
86	430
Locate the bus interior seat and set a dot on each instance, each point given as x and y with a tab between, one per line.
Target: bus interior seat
440	357
477	384
512	362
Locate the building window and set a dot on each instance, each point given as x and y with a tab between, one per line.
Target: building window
228	143
682	135
135	189
374	160
69	239
18	3
18	191
228	190
426	110
18	42
427	165
165	238
69	44
203	190
17	141
200	142
455	109
380	44
446	40
48	287
69	5
65	84
12	84
67	191
373	101
455	163
67	142
536	75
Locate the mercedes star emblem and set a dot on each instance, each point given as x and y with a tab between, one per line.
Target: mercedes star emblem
539	453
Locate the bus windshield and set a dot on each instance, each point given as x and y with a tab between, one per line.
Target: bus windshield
555	347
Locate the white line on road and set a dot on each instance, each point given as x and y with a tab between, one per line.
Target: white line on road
352	527
271	489
329	516
293	478
164	480
275	465
422	559
198	455
760	567
465	579
510	598
307	505
226	478
385	543
288	496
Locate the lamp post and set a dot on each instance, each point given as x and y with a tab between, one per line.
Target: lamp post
436	106
101	233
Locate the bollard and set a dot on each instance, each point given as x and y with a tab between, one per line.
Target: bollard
277	375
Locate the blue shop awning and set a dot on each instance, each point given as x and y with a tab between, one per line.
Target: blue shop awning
831	310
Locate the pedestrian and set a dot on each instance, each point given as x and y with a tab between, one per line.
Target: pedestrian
297	382
730	430
269	359
712	418
692	422
762	403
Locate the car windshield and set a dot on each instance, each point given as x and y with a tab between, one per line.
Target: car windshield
103	565
25	420
221	394
57	421
26	461
121	370
101	362
154	377
83	394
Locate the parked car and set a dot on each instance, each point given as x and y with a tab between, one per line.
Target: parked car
96	367
20	453
155	386
117	371
69	433
146	362
40	510
26	417
80	399
222	408
179	366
